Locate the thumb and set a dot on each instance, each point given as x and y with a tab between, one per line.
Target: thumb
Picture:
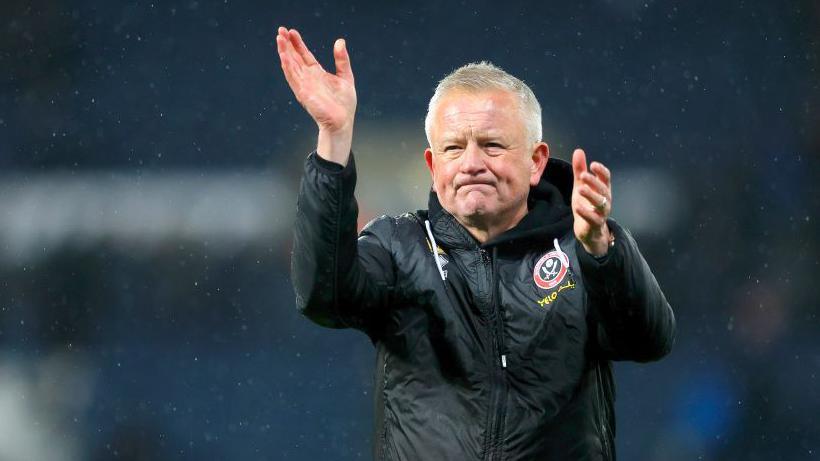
342	59
579	163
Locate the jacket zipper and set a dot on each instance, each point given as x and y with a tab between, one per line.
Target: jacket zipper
499	399
602	413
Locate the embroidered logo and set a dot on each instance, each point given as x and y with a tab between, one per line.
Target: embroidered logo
551	269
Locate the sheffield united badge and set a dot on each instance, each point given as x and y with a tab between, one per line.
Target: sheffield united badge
550	270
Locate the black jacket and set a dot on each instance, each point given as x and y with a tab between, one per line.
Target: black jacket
498	351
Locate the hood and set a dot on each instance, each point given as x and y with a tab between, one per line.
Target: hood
549	214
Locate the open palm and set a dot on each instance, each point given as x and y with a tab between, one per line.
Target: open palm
329	98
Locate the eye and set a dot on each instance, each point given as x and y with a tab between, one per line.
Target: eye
450	151
493	148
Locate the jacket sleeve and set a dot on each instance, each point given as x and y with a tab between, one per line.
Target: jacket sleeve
340	280
633	319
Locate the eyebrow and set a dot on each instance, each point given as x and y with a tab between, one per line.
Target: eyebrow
484	136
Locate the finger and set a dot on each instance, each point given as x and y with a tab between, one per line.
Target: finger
579	164
301	48
601	172
342	59
285	57
280	45
293	81
595	183
286	50
589	215
288	66
285	47
594	200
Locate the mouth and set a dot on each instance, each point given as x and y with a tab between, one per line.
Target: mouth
475	184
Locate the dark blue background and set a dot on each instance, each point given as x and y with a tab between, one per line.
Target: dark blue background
723	95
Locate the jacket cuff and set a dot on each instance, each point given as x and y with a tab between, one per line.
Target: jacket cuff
327	184
328	167
601	273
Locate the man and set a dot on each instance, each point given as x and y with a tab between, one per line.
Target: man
497	311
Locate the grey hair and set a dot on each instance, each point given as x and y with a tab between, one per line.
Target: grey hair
483	76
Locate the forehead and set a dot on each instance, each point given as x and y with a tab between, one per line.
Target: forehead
460	109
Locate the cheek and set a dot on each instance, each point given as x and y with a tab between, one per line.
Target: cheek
514	178
443	179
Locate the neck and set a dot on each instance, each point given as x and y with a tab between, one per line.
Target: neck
484	229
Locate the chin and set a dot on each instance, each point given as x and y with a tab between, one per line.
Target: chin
478	211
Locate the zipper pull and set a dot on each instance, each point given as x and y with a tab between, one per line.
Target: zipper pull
503	360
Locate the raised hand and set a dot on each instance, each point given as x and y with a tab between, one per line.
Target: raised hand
329	98
591	203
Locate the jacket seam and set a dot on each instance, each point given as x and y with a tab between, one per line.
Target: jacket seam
602	417
383	436
337	238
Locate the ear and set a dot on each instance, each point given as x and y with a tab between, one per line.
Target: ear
540	156
428	158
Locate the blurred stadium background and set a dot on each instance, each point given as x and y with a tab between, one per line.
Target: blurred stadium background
149	157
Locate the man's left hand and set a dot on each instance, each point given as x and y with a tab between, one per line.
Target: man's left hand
591	203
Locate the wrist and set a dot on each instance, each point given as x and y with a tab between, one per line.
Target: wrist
335	145
599	247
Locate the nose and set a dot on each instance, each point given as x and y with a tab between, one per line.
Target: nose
472	160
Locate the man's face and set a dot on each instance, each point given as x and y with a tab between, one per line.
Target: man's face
481	161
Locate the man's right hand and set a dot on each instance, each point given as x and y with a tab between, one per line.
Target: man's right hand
329	98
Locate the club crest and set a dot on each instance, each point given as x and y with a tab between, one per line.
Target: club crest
550	270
